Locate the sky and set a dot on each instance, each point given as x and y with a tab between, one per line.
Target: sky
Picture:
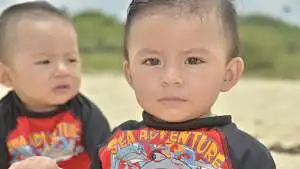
117	8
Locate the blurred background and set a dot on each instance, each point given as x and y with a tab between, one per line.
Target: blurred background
266	103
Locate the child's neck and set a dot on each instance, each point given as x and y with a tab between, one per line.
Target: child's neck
33	106
200	117
209	115
40	109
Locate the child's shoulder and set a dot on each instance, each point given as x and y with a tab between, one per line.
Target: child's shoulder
6	102
88	112
245	150
128	125
7	114
82	105
81	99
239	139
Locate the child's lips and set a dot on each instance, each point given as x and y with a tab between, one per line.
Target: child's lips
172	99
62	88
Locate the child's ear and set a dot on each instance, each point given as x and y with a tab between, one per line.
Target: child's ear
127	72
234	71
5	78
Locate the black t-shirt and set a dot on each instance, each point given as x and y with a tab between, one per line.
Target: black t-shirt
206	143
69	134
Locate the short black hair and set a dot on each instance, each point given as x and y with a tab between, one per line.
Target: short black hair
224	10
34	9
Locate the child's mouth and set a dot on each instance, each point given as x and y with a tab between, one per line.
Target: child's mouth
62	88
171	99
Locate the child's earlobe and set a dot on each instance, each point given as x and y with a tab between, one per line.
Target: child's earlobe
235	69
4	76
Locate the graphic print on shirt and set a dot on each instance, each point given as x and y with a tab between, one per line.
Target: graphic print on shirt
61	143
151	149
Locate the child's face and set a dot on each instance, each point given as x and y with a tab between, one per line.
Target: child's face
178	66
45	64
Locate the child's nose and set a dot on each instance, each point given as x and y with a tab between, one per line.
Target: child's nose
61	69
171	76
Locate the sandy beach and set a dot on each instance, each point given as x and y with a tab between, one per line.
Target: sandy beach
267	109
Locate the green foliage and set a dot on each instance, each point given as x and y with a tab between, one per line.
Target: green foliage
271	47
98	32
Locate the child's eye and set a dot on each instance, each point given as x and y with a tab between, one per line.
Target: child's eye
193	61
43	62
152	62
72	60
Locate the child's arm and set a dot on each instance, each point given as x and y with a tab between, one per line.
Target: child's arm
36	162
96	163
96	130
257	157
245	151
3	156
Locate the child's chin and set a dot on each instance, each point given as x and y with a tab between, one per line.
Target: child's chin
60	100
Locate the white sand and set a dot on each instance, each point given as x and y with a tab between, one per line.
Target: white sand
269	110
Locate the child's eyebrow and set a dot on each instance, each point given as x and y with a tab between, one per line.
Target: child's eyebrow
147	51
69	53
203	51
41	54
72	53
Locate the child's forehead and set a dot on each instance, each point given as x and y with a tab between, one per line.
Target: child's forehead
172	20
159	26
29	29
177	35
37	36
38	20
202	13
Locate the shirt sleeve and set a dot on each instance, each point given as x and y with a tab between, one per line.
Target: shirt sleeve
245	151
96	129
96	163
4	160
257	157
